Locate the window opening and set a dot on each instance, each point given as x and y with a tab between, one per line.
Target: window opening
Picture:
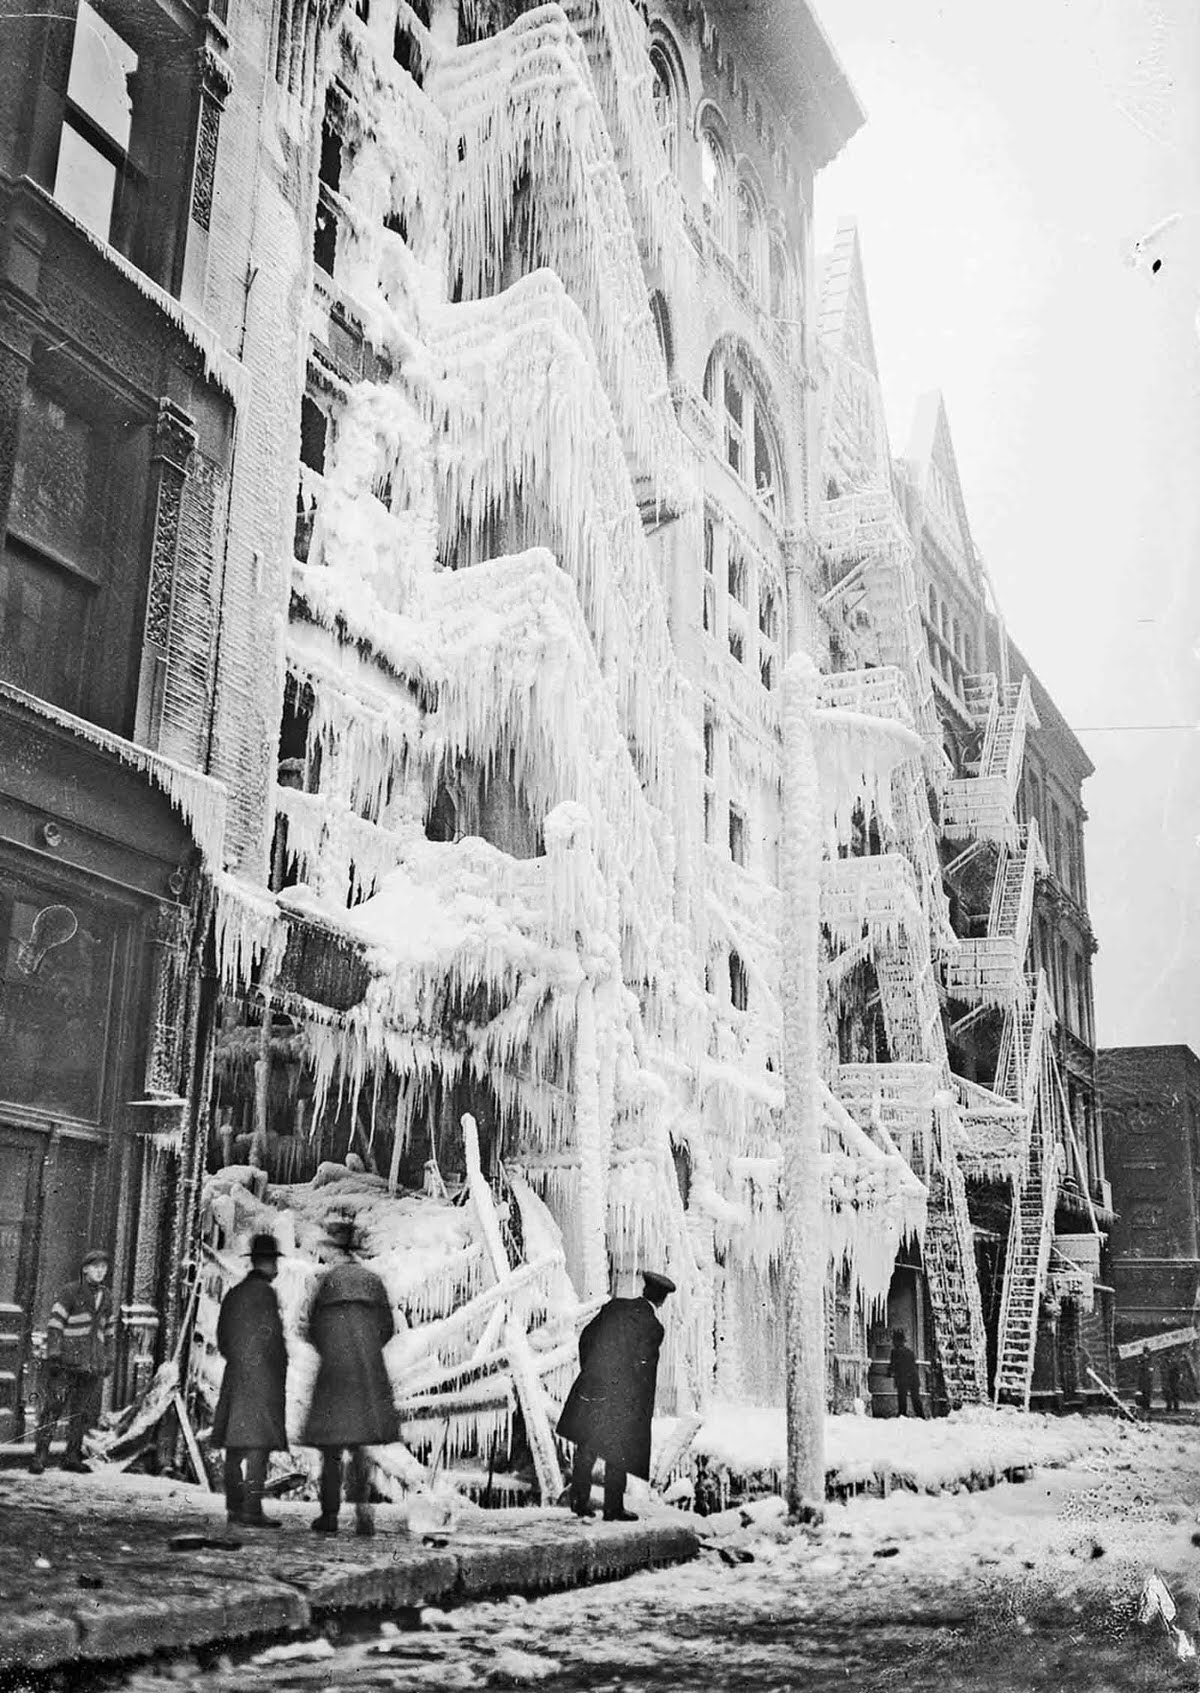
739	986
666	110
749	237
93	152
735	441
715	187
738	578
737	835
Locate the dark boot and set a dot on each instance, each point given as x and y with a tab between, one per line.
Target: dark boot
330	1491
614	1495
581	1482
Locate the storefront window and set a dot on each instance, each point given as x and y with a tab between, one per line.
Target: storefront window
57	964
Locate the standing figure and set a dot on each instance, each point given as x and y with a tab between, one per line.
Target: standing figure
608	1410
250	1422
79	1354
1172	1375
1145	1379
350	1322
903	1370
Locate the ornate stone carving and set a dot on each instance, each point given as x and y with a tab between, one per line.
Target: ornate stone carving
168	990
215	83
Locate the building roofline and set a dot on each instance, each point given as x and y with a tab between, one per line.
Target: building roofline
795	56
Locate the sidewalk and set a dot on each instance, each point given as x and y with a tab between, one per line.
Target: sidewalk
87	1571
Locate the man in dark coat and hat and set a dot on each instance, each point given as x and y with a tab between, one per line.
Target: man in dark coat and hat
350	1322
608	1410
905	1373
249	1421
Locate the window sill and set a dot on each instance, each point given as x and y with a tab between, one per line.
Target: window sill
59	560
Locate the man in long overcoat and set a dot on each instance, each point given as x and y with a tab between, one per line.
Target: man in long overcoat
608	1410
250	1422
903	1369
350	1322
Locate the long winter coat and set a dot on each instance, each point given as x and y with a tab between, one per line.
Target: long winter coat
903	1367
609	1408
250	1407
350	1322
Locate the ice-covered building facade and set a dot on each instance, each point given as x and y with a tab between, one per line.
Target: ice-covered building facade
554	544
463	450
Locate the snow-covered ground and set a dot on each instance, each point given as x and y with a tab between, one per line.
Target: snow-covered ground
928	1455
1036	1585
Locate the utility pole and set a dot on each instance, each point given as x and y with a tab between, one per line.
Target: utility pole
803	1170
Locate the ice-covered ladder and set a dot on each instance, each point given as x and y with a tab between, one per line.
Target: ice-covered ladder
1025	1075
949	1259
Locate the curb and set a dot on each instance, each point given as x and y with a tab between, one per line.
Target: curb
411	1577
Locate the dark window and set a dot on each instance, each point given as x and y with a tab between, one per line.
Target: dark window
111	136
406	47
739	986
737	835
709	745
72	570
737	645
710	606
330	177
314	427
709	545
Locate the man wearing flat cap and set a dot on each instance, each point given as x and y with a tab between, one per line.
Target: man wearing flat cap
79	1354
250	1422
608	1410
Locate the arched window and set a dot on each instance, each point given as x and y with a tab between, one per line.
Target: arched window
714	181
749	236
666	104
750	449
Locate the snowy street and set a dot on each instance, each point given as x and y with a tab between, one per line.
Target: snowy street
1036	1585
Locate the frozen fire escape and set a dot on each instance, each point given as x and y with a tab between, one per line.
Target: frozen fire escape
888	907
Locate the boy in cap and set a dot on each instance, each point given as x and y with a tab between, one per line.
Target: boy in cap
249	1421
79	1354
608	1410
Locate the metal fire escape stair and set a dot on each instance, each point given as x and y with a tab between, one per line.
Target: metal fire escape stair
1024	1074
989	970
948	1254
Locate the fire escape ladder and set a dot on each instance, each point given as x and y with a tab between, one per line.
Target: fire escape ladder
948	1254
1028	1077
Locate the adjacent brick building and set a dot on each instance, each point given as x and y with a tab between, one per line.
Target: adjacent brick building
1151	1097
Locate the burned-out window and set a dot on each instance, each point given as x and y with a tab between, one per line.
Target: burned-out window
739	983
314	430
325	229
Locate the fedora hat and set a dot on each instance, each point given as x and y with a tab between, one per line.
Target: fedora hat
654	1283
264	1246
